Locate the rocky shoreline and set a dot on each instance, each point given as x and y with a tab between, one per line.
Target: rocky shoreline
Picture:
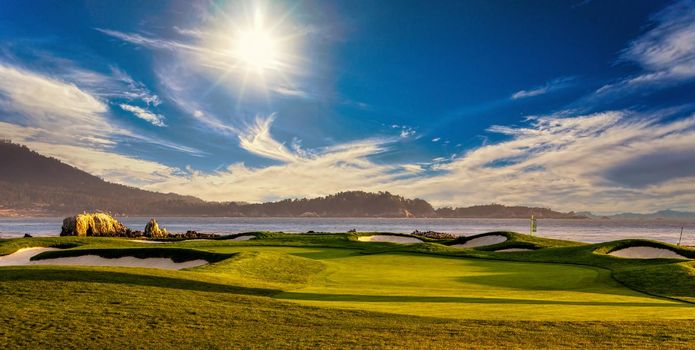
105	225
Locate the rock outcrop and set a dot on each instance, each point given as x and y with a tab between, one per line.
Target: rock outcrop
152	230
433	234
93	224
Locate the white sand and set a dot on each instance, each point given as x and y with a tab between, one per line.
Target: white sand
646	253
126	261
513	250
22	256
389	238
146	241
243	238
482	241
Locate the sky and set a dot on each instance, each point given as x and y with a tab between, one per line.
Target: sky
574	105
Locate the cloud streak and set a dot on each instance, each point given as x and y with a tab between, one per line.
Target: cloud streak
553	85
152	118
666	52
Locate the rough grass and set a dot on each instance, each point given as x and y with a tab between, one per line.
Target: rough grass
80	314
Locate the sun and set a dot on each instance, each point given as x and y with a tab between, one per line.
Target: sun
256	47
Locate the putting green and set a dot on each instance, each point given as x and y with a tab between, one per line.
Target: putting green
416	284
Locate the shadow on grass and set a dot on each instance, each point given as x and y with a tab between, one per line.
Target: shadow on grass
85	275
536	277
177	255
463	300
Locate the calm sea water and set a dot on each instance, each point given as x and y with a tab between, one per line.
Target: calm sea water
591	231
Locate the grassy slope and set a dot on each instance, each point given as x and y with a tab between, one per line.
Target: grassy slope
226	302
57	314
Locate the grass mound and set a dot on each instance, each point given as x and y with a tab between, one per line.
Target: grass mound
672	280
263	268
613	246
515	240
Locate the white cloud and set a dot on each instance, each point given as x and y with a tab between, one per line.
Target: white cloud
670	43
436	139
569	163
60	119
257	139
666	52
550	86
336	168
60	108
413	168
407	133
292	92
152	118
529	93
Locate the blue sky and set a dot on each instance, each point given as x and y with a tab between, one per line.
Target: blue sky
576	105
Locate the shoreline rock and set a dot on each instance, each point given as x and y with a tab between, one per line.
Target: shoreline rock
93	224
152	230
433	234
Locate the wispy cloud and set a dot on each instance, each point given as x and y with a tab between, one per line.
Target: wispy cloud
553	85
38	108
152	118
257	139
666	52
580	162
59	108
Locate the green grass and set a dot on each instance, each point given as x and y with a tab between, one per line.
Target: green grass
331	291
57	314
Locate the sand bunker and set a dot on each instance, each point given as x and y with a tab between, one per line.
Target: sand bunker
389	238
243	238
482	241
646	253
145	241
513	250
23	256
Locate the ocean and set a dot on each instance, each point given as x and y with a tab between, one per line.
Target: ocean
590	231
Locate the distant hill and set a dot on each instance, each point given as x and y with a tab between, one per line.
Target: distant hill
32	184
659	215
502	211
35	185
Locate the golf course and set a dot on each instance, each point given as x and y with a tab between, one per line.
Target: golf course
338	290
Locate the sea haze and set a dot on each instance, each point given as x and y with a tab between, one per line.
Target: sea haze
590	231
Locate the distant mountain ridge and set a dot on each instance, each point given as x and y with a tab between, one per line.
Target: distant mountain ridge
35	185
667	214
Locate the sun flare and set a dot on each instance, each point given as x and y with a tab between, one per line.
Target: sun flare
256	47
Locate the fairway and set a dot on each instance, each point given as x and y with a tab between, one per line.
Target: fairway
462	288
